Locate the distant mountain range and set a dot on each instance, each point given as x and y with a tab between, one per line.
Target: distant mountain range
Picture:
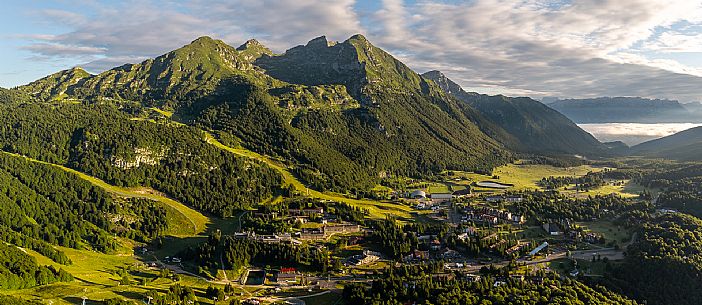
626	110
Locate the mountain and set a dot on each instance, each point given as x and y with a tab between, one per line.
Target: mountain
340	114
624	110
694	107
529	125
55	85
685	146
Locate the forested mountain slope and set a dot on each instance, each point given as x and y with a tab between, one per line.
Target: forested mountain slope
104	141
685	146
9	96
344	114
529	125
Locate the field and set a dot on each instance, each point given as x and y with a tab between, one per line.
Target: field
525	177
96	278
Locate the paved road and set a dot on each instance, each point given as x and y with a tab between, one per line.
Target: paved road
609	253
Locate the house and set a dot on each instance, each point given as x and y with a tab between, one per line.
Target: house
514	199
453	266
417	255
462	193
274	239
421	254
472	278
552	229
489	218
519	219
287	276
471	230
448	254
361	259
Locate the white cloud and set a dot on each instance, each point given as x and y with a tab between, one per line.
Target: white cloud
561	50
676	42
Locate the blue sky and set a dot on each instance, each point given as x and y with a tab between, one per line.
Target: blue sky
537	48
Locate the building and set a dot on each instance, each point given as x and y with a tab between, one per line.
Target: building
441	197
361	259
418	194
462	193
287	276
306	212
504	198
341	228
538	249
519	219
552	229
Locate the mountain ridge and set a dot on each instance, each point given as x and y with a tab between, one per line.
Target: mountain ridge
529	125
344	114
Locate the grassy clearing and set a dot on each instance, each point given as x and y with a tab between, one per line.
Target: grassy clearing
97	279
439	188
527	176
609	230
182	220
622	190
377	209
522	176
165	113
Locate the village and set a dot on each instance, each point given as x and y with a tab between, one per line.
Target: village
474	232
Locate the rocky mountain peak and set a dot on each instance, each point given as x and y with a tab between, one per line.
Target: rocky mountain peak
446	84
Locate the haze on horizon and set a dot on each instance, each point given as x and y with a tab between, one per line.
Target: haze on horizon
648	48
